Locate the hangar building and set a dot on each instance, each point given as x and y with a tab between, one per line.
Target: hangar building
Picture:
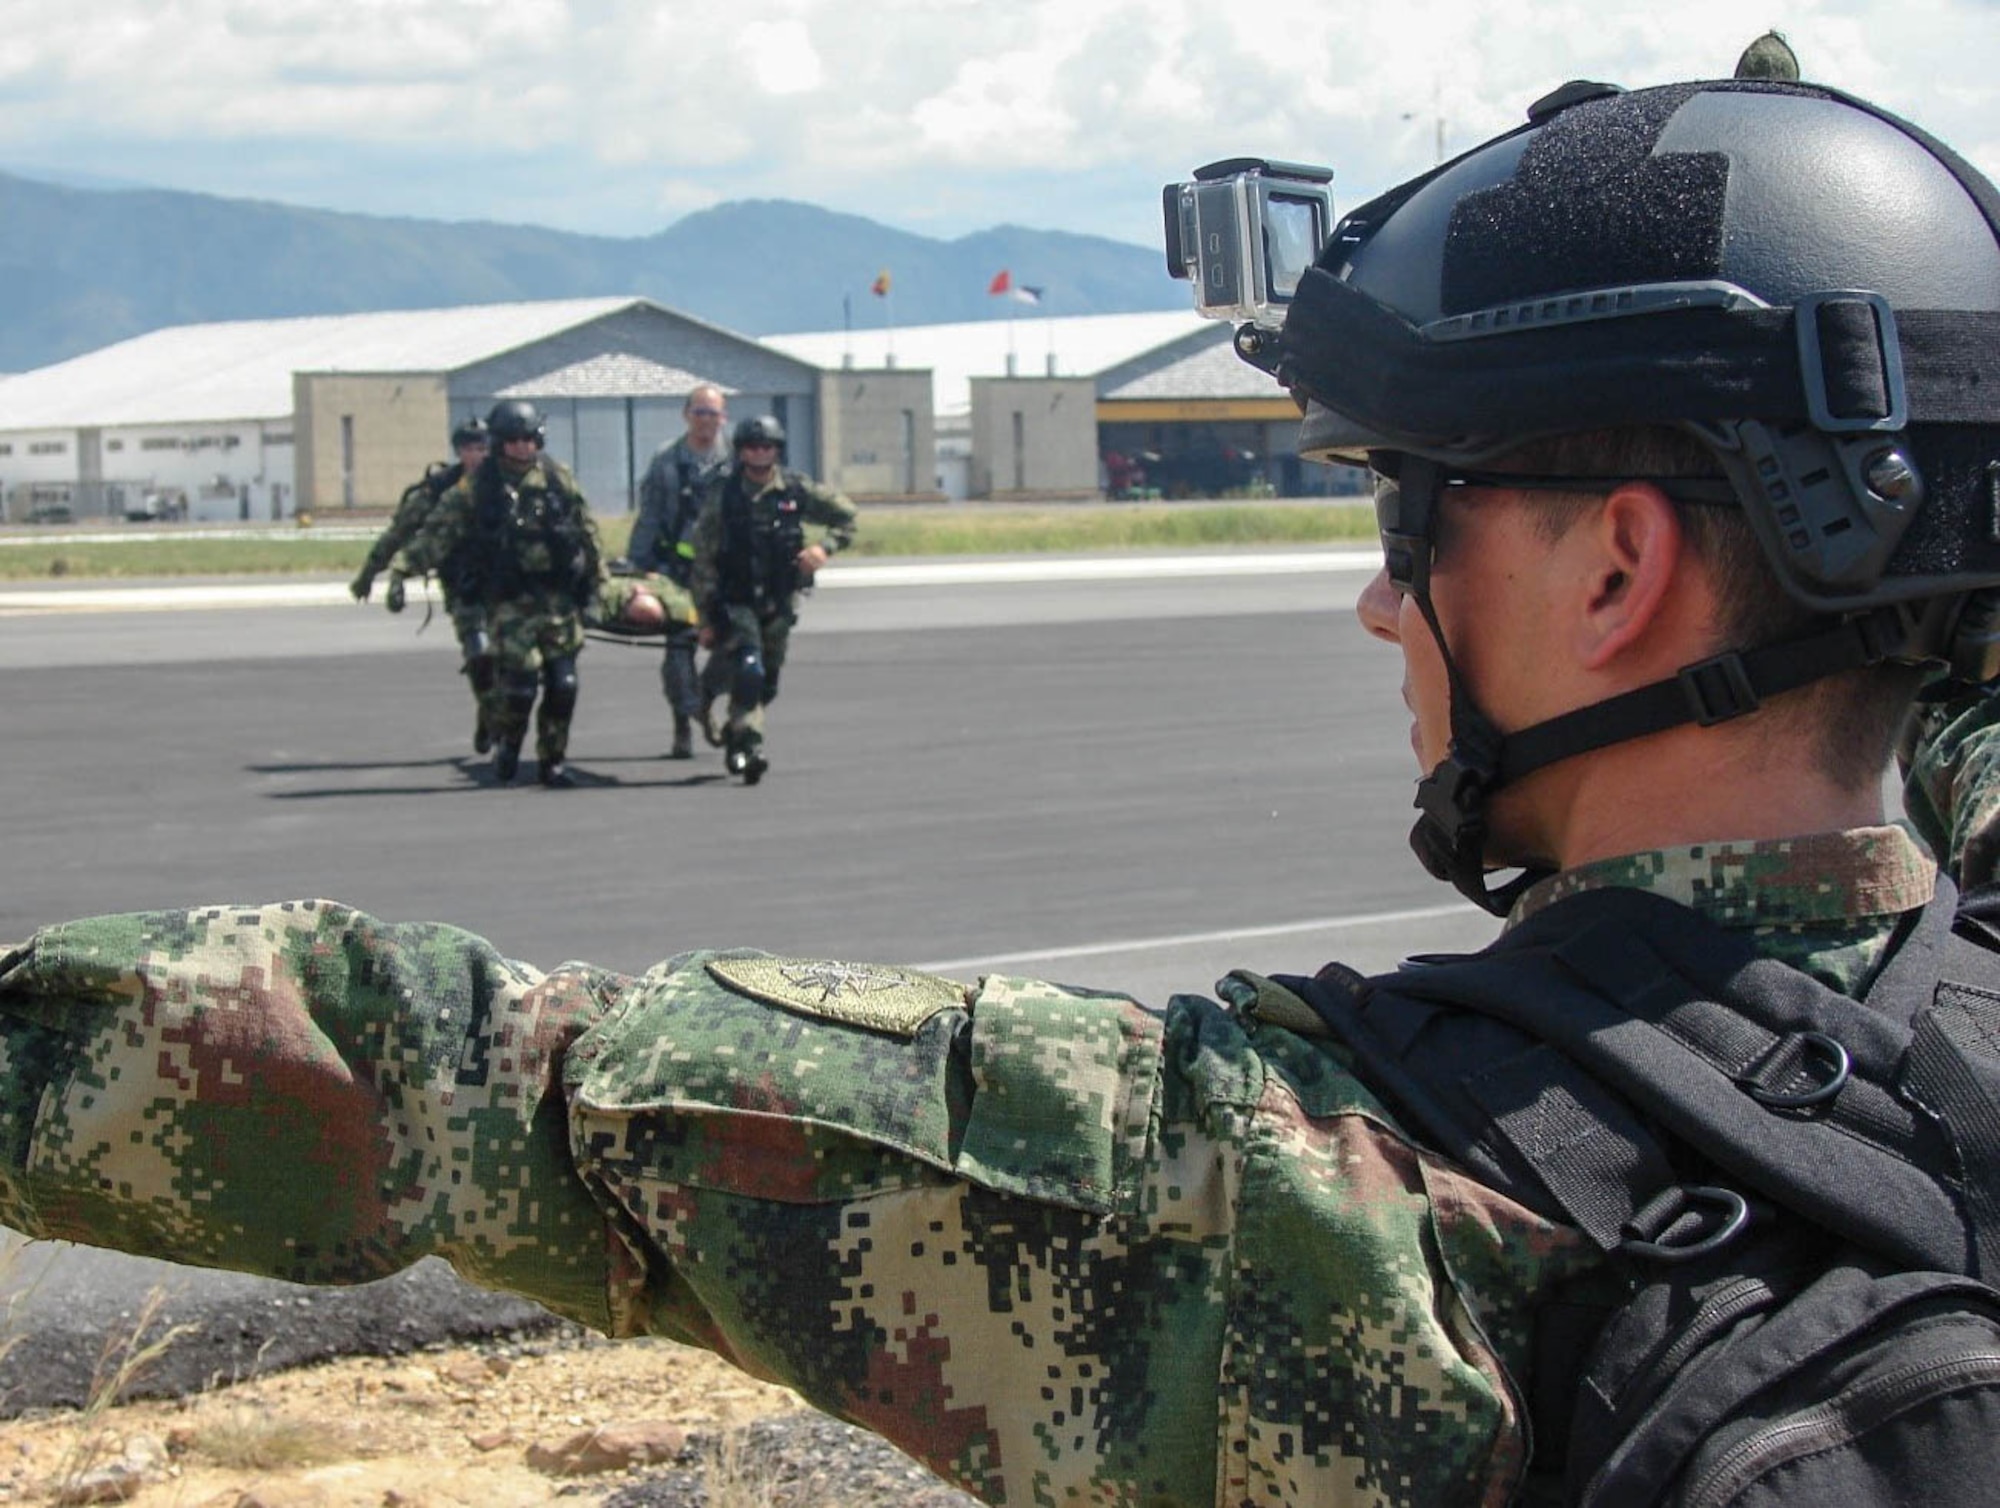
260	419
1084	405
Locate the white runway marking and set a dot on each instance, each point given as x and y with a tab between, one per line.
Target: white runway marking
172	598
1199	939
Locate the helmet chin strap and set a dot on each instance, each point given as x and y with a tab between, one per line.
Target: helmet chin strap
1450	837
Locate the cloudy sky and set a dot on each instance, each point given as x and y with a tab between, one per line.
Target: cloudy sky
941	116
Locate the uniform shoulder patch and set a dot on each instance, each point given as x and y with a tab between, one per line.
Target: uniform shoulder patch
880	998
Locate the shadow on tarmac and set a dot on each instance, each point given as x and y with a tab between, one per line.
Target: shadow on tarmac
478	775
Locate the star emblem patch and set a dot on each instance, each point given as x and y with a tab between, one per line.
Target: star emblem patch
876	997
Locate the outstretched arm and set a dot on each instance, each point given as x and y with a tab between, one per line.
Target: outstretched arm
1060	1247
301	1091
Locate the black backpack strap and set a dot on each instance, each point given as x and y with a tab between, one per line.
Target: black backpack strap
1954	1072
1510	1109
1637	1025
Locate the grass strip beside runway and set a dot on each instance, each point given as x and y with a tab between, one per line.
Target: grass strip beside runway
963	529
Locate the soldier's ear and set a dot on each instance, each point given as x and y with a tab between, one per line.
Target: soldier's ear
1632	581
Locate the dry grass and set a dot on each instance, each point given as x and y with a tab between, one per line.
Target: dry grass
736	1477
125	1357
255	1439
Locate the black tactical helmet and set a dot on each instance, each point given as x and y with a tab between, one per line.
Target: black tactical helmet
471	432
1808	285
754	431
1805	284
514	419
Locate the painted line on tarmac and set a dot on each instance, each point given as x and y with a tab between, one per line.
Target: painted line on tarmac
1196	939
15	603
1106	568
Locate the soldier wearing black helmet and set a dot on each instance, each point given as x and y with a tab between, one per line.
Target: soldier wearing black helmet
468	619
751	562
1683	409
516	537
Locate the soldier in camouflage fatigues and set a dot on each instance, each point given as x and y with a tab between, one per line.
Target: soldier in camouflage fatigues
1063	1247
468	619
751	562
516	537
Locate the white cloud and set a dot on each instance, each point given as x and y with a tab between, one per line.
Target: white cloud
943	114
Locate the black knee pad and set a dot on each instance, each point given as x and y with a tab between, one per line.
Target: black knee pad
520	690
559	679
747	685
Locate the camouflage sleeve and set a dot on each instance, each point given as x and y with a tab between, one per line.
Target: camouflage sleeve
441	530
835	512
299	1091
1951	789
411	509
1060	1247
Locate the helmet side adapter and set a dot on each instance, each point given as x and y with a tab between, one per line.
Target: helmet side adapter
1807	285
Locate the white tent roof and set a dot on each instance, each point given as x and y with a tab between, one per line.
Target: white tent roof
243	369
1083	345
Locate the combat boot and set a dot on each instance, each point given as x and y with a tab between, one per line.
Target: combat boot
507	761
482	739
555	775
683	739
754	766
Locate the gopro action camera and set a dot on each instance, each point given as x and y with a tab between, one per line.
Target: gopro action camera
1244	231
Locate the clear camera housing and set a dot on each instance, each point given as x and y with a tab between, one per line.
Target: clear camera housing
1244	231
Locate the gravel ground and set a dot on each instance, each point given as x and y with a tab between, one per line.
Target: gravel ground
419	1391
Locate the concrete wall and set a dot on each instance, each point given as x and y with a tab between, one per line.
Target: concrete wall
1034	437
878	433
361	439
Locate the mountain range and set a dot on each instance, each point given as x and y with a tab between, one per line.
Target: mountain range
83	267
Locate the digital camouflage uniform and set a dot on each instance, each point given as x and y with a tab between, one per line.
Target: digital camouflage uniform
616	594
1061	1247
533	601
413	509
418	502
753	613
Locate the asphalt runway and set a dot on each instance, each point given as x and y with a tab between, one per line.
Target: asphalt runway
1128	783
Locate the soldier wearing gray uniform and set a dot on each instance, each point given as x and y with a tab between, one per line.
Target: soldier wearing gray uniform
669	498
1683	411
